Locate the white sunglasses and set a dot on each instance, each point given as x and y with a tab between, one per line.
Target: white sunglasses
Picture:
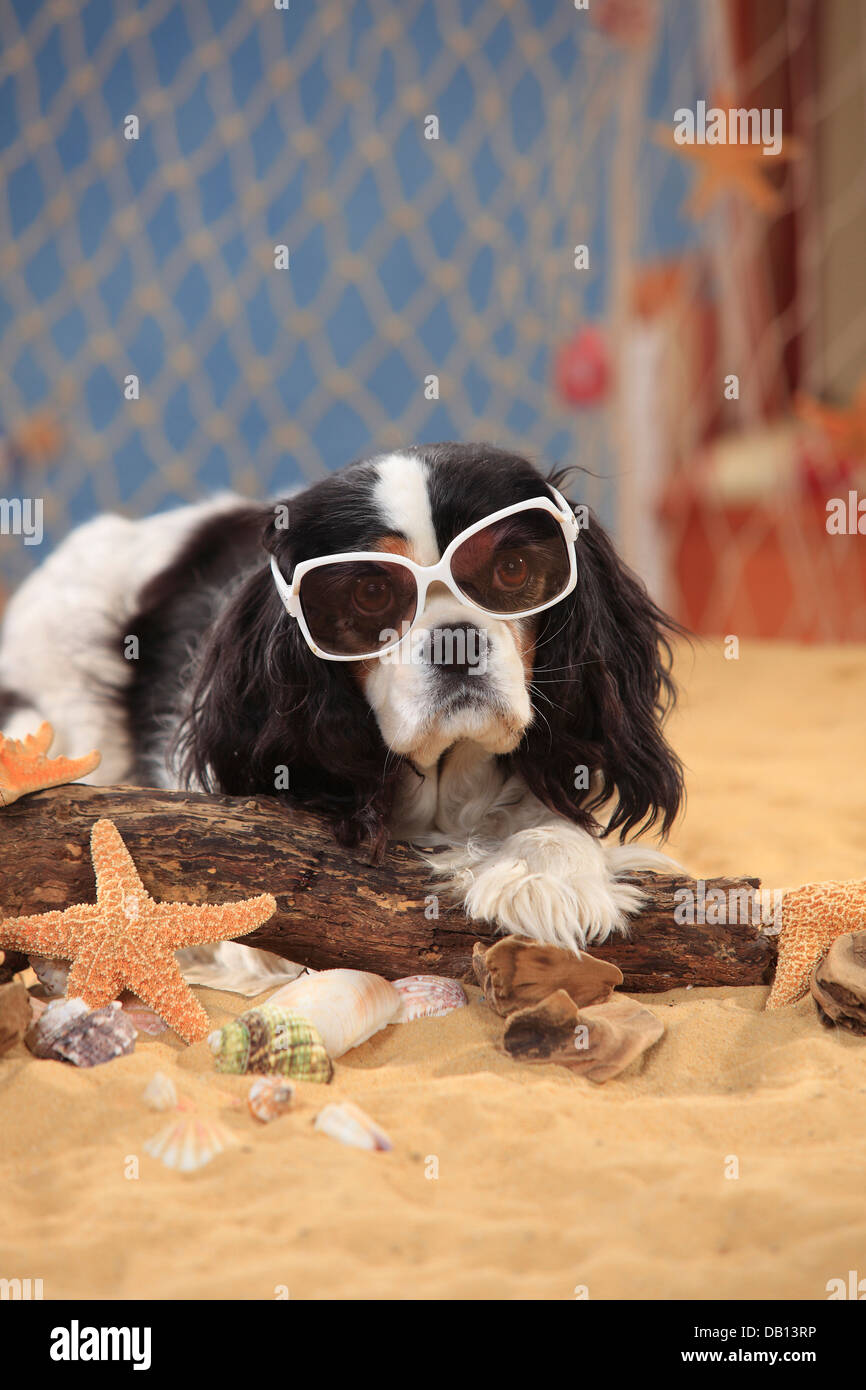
361	604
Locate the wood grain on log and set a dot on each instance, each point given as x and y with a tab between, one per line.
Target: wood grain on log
334	908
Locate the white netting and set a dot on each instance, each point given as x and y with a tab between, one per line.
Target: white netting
412	257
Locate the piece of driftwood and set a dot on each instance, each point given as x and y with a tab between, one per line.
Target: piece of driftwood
517	974
598	1041
334	908
839	984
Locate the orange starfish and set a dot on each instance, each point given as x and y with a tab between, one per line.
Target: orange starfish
738	166
844	428
812	918
25	767
126	940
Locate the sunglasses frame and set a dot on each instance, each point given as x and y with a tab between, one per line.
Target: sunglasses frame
425	575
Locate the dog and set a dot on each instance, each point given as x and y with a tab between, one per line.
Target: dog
427	645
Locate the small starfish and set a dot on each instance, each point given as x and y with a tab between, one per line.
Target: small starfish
844	428
812	918
126	940
25	766
725	168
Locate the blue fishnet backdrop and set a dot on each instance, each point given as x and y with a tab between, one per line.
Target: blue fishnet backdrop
408	257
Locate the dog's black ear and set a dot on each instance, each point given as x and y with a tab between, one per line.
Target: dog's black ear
268	716
602	686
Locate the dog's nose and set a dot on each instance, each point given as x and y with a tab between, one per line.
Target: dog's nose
458	649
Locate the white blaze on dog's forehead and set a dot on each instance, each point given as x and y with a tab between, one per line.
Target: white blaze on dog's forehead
401	496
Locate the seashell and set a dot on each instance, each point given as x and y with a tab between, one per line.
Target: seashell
160	1092
190	1143
144	1020
272	1041
52	1023
37	1008
269	1098
346	1006
95	1038
348	1123
428	996
229	965
52	973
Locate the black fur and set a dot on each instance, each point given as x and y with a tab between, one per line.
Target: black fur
213	622
608	653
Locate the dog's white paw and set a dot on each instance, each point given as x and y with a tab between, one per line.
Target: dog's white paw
567	910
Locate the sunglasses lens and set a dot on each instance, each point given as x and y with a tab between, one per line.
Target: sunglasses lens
515	564
356	607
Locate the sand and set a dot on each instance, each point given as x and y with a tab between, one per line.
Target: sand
511	1181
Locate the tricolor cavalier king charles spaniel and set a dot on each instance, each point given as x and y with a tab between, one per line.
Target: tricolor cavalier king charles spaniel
484	678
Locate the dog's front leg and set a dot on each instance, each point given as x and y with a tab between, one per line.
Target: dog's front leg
552	882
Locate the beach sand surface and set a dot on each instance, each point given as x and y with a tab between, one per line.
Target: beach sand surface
509	1180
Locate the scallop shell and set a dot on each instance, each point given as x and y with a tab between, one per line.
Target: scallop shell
428	996
349	1123
144	1020
160	1092
269	1098
272	1041
346	1006
189	1144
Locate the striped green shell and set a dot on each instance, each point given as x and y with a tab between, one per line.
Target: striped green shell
273	1041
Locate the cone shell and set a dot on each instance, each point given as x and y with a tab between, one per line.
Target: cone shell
346	1007
349	1124
160	1092
271	1041
428	996
188	1144
269	1098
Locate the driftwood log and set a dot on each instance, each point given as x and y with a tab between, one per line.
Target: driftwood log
334	908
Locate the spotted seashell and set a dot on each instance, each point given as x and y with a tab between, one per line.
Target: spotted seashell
160	1092
349	1124
346	1007
68	1031
99	1037
271	1041
269	1098
52	1023
428	996
190	1143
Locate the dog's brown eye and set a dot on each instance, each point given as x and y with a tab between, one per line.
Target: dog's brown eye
372	594
511	571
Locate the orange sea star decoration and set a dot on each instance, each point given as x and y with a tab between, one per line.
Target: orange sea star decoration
125	940
25	765
844	427
739	167
812	918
